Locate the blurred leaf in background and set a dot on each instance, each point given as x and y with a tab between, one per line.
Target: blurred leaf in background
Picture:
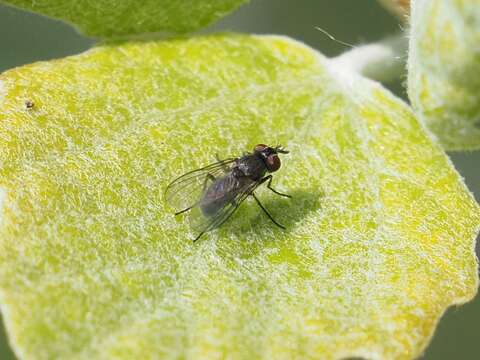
126	18
444	68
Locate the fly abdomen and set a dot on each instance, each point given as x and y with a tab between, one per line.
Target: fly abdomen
210	208
218	194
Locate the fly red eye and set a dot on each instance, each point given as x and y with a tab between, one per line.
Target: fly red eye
273	162
259	147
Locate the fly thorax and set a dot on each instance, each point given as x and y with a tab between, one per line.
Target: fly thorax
242	169
237	171
251	166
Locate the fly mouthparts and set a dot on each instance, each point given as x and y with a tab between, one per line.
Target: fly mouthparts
281	150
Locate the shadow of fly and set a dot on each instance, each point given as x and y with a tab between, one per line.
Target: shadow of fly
212	194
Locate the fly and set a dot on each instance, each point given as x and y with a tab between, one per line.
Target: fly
212	194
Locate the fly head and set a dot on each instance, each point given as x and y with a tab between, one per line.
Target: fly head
270	155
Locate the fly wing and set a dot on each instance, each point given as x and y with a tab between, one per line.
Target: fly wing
203	223
186	191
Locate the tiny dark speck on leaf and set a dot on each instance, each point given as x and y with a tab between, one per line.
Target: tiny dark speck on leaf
29	104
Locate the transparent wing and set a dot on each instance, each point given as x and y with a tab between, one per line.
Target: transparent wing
202	223
185	191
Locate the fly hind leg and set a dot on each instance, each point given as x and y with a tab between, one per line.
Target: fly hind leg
207	177
267	213
224	166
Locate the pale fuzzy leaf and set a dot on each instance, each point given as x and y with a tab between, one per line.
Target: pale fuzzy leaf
129	18
93	264
444	68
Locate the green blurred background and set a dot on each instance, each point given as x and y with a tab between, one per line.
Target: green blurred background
25	38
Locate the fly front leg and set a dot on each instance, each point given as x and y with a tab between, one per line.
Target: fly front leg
269	185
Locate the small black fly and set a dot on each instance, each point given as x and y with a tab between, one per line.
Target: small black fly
214	192
29	104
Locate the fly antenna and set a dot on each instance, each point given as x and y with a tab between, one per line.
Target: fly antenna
280	149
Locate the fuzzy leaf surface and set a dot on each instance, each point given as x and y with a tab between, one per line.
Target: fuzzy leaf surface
379	235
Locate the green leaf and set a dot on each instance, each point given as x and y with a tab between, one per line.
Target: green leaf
444	68
93	264
127	18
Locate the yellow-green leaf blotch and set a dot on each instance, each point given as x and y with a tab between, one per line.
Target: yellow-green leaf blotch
129	18
93	264
444	68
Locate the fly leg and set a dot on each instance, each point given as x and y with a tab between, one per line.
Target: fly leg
266	212
208	177
269	185
199	235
